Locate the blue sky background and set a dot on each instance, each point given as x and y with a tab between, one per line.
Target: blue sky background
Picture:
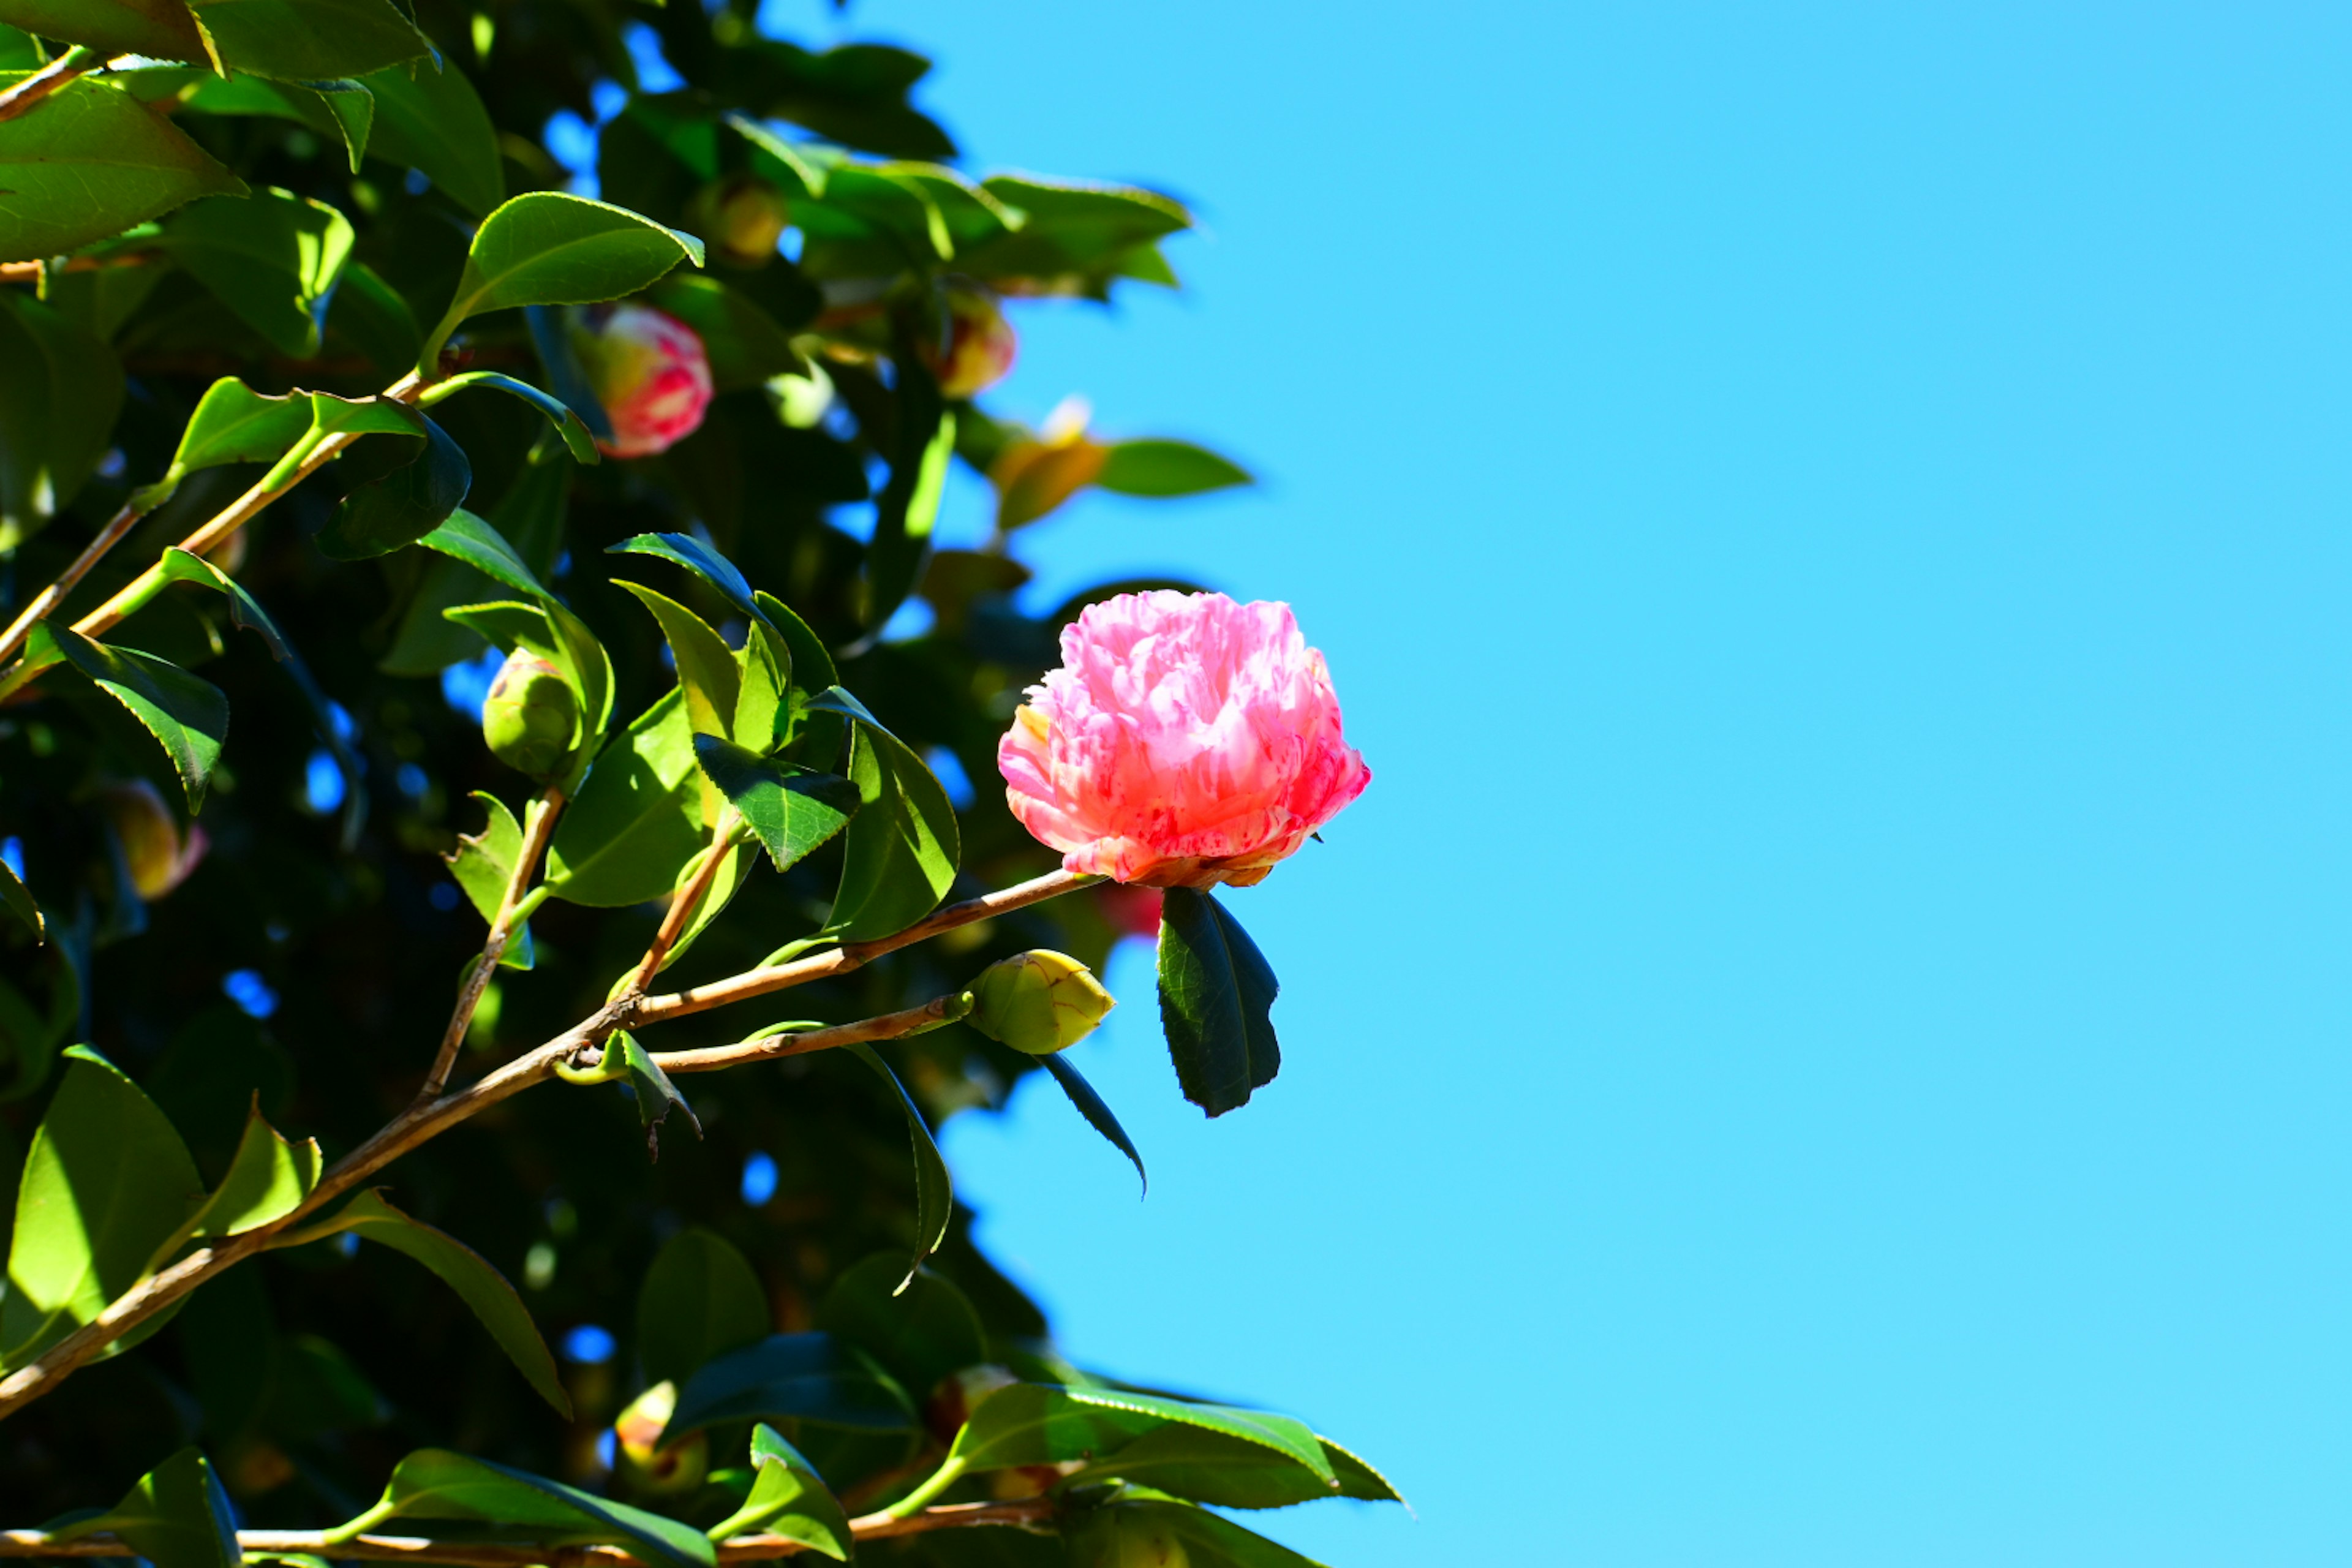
1825	1041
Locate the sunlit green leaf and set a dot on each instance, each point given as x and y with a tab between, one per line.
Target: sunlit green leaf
789	1498
432	120
789	808
483	865
188	717
273	257
1044	1424
268	1180
637	820
1157	467
177	1516
90	161
434	1484
707	671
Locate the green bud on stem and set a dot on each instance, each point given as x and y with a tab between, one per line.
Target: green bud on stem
1038	1001
531	717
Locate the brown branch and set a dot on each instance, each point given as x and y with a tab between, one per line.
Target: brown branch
48	598
888	1026
30	271
76	61
680	914
1028	1513
477	978
842	960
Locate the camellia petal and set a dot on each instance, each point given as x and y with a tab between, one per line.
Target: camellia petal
1186	740
649	370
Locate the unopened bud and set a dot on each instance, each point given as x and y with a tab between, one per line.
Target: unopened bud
960	1394
656	1471
531	718
158	859
1131	1538
743	216
981	345
1038	1001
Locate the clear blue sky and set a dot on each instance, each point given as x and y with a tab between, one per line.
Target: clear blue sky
1825	1042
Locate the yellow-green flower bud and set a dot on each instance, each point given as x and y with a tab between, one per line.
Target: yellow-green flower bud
1038	1001
1130	1538
531	718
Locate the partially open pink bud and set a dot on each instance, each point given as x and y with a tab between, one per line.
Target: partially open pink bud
979	348
1186	740
1132	911
649	372
743	216
158	858
649	1470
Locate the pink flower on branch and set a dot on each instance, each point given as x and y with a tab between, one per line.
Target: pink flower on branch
1186	740
649	370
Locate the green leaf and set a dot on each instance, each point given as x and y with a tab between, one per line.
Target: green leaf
480	1287
807	1377
309	40
1142	1528
160	30
854	94
789	808
900	856
638	820
90	160
529	521
333	415
375	319
1046	1424
484	864
436	1484
20	902
921	1331
1092	1107
685	550
934	1194
404	506
657	1096
273	257
342	108
745	345
176	1517
1210	1466
788	1499
700	1299
268	1180
179	566
106	1181
910	503
707	671
235	424
433	120
188	717
467	538
1167	468
567	423
1216	991
58	397
549	248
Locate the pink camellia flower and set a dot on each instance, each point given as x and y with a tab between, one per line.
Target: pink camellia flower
1186	740
649	372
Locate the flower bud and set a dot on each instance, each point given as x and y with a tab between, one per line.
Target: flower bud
1038	1001
531	718
153	852
743	216
650	373
646	1469
1130	1538
980	347
960	1394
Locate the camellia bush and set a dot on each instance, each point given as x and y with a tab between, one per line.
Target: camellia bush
481	1110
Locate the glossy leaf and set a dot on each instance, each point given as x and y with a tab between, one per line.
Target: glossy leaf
1092	1107
267	1179
637	819
342	108
1216	991
807	1377
1210	1467
920	1332
482	1288
467	538
180	566
788	1498
90	161
235	424
272	257
934	1193
1167	468
791	810
812	665
707	671
1139	1527
700	1299
188	717
436	1484
685	550
900	856
106	1182
177	1516
431	119
20	902
160	30
1044	1424
404	506
309	40
576	437
549	248
484	864
657	1096
58	397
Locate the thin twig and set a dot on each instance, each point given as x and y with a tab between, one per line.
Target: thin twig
1025	1514
888	1026
477	978
842	960
30	271
76	61
48	598
680	914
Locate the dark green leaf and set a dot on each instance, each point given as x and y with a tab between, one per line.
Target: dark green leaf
404	506
106	1182
272	257
434	1484
934	1194
1167	468
700	1299
854	94
188	717
309	40
431	119
900	856
699	558
1044	1424
58	397
1216	992
529	521
791	810
342	108
789	1498
921	1330
707	671
745	345
160	30
176	1517
638	819
1091	1106
549	248
90	161
467	538
20	902
576	437
484	865
808	1377
480	1287
179	566
375	319
657	1096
